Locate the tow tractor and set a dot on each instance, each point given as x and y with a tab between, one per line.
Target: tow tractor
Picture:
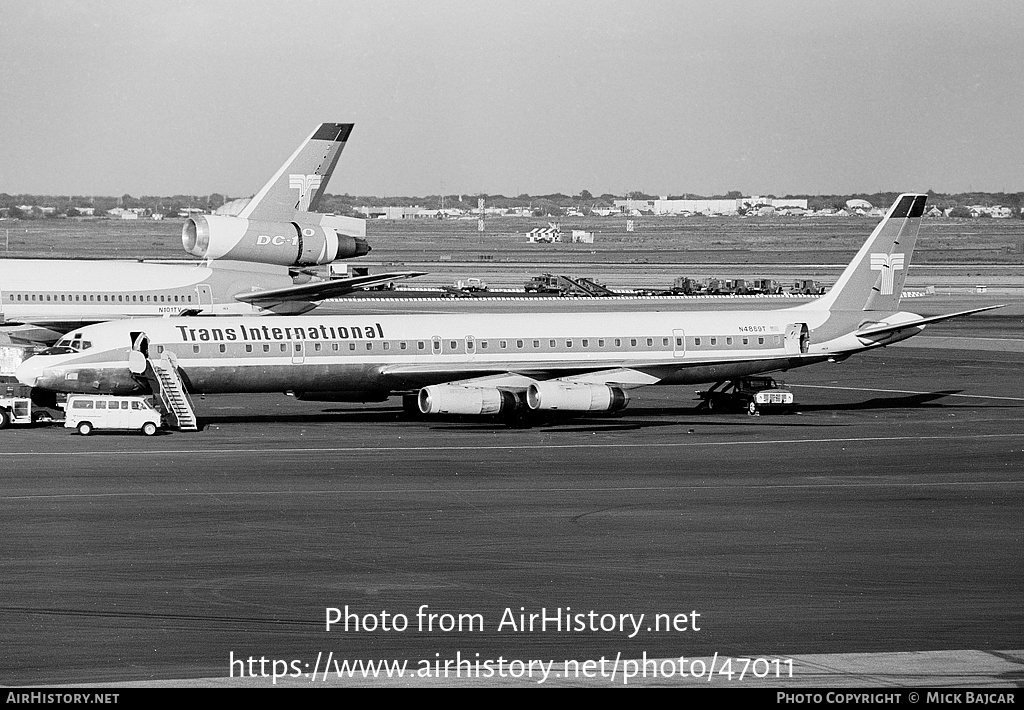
18	410
750	394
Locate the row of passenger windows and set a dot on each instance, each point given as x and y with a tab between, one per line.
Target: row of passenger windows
470	345
94	297
728	340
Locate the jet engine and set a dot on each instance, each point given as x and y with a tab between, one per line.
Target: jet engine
575	397
456	399
282	243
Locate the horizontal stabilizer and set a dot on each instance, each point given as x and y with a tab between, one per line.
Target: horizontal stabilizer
320	290
881	328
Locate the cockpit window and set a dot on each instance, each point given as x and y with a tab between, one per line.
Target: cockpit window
69	345
59	350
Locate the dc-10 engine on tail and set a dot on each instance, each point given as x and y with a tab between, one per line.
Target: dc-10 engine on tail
283	243
279	225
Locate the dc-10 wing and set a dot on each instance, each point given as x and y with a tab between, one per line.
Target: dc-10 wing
881	328
320	290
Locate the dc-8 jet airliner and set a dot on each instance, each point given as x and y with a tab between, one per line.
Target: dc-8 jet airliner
499	363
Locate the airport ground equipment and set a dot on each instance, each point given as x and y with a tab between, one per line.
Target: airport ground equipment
566	286
807	287
173	394
471	285
750	394
15	410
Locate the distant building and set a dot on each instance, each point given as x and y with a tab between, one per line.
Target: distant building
731	206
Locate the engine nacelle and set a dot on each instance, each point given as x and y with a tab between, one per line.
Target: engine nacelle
282	243
575	397
455	399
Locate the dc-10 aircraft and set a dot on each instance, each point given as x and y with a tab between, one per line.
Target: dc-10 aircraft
499	363
255	261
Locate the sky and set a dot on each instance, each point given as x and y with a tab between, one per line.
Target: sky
103	97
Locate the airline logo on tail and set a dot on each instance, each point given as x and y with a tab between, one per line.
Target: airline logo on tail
888	264
306	185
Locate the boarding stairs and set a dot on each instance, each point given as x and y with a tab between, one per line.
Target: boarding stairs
173	394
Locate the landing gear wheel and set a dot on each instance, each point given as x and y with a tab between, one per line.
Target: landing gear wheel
149	428
84	428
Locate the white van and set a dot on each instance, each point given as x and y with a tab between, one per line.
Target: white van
86	412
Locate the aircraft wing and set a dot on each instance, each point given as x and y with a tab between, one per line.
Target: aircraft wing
880	328
320	290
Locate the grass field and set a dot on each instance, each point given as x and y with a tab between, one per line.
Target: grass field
662	240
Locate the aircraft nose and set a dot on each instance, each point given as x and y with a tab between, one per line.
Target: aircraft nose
30	372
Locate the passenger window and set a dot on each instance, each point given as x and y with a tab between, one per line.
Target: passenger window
551	343
650	342
714	341
696	341
223	348
317	347
195	349
760	341
519	343
618	342
632	342
369	346
454	345
248	348
402	345
266	347
351	346
568	343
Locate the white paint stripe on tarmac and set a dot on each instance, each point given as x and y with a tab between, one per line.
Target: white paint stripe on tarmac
943	394
882	482
314	450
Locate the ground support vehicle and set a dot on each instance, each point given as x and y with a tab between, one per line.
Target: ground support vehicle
566	286
15	410
750	394
87	412
471	285
807	287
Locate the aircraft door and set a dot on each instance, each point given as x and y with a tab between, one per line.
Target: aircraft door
139	353
298	352
798	338
204	296
678	343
